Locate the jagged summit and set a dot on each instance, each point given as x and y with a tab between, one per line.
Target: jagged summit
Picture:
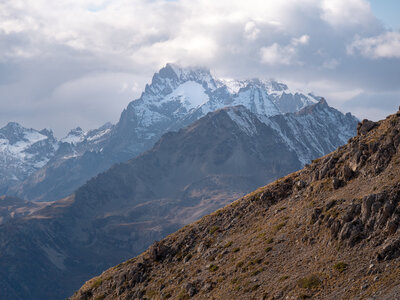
178	93
171	76
13	132
199	74
329	231
13	125
75	136
321	104
47	132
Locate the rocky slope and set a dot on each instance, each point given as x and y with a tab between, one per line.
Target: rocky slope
329	231
176	98
13	208
186	175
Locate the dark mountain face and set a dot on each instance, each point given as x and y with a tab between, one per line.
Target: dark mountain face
328	231
120	212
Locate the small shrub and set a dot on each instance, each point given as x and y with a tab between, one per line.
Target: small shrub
227	245
183	296
270	241
151	293
309	282
268	249
97	283
209	243
234	280
261	235
340	267
119	266
213	268
239	264
236	249
279	226
255	287
256	272
213	229
284	278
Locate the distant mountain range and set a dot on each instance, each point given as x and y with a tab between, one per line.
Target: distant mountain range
45	169
189	145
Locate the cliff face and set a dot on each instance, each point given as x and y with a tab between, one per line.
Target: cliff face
329	231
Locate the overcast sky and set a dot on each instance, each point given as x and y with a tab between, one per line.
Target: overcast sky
79	63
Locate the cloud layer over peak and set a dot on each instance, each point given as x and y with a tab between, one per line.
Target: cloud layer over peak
67	63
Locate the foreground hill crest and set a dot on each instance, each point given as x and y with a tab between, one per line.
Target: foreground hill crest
328	231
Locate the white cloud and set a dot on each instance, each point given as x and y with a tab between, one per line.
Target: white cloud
342	13
283	55
51	49
251	30
303	40
386	45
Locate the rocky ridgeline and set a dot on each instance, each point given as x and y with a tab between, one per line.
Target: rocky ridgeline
345	205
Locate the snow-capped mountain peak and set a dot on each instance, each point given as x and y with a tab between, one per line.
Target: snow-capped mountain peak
171	76
23	150
13	134
179	95
75	136
256	99
198	74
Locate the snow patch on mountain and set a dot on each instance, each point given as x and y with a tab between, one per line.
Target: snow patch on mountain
232	85
243	120
75	136
190	94
200	75
256	100
314	130
98	135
